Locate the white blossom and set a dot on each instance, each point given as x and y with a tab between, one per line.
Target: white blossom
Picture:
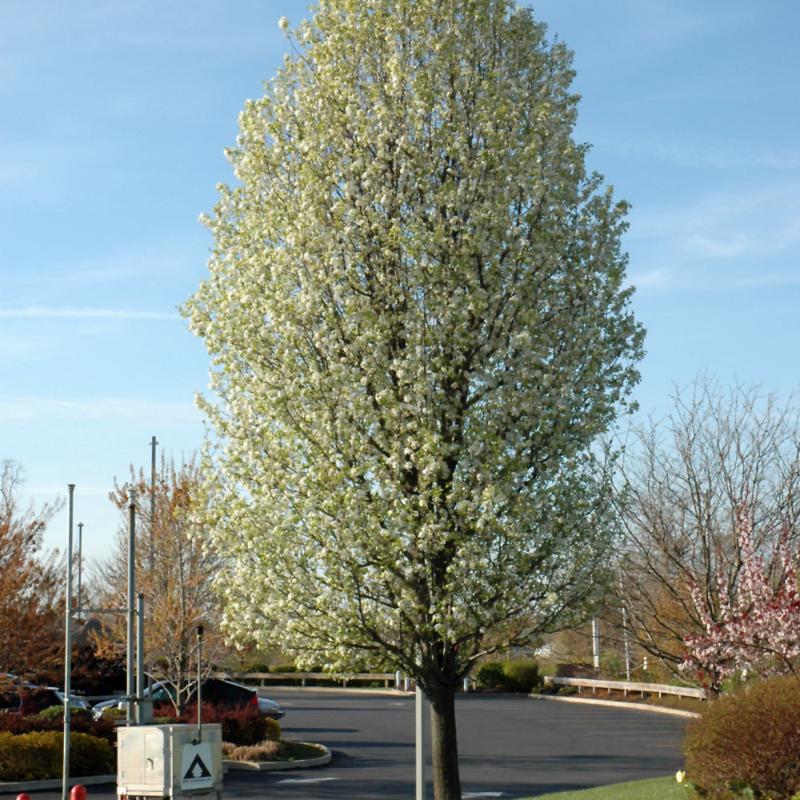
415	341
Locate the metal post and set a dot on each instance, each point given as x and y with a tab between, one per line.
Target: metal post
130	686
422	721
68	653
80	565
153	444
626	643
139	657
595	645
199	685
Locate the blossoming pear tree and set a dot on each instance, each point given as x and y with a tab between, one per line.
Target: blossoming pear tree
758	631
419	327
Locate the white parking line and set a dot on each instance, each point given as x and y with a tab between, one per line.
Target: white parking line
467	795
306	780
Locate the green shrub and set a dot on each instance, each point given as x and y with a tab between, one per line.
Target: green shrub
112	713
273	730
57	712
90	755
38	755
491	675
522	675
81	723
51	712
748	743
255	666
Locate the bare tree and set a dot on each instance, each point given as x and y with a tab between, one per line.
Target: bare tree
683	479
174	571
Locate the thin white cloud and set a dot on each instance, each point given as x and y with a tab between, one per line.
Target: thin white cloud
52	490
38	409
164	258
71	312
650	279
752	224
697	150
677	279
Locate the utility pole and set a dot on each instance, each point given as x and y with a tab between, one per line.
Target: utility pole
130	686
153	444
68	654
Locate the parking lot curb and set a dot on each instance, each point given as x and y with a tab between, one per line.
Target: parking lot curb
277	766
55	783
675	712
266	691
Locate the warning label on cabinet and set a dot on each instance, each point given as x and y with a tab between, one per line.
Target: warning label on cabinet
196	766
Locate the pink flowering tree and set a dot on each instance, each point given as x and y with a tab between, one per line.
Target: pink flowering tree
758	629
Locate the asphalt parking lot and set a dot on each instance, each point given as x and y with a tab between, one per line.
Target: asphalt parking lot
510	747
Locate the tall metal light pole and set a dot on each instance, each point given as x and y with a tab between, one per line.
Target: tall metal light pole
625	638
68	653
595	646
130	686
153	444
422	736
199	683
140	715
80	565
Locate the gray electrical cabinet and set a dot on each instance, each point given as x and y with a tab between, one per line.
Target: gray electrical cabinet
169	761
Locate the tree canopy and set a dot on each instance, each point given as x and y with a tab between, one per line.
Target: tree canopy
174	572
418	325
31	587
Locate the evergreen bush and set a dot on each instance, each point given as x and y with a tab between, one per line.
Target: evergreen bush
38	755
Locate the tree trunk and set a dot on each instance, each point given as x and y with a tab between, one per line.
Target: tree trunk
444	747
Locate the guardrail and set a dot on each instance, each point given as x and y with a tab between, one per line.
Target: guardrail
627	686
388	678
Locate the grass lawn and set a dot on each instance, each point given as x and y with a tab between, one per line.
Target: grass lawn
653	789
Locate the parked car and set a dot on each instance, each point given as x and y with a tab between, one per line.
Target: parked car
215	690
30	699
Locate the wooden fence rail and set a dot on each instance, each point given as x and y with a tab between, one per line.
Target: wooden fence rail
388	678
627	686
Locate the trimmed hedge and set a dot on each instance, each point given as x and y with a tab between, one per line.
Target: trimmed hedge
491	675
522	676
747	744
511	676
80	723
57	712
38	756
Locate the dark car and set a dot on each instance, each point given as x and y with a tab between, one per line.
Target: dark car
215	691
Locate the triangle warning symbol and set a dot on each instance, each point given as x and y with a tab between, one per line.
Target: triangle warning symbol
197	769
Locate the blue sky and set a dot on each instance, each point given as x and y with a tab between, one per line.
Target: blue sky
113	119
